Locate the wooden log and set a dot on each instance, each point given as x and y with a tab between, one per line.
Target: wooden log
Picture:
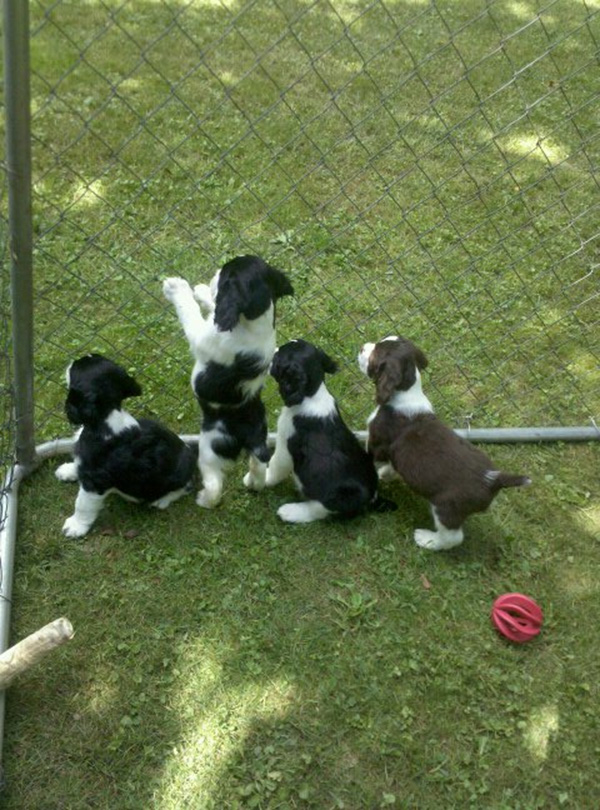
32	649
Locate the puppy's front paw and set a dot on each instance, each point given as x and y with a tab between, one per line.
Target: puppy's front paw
206	499
74	528
67	472
202	295
274	476
254	481
174	287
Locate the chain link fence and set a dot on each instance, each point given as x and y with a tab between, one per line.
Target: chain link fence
418	168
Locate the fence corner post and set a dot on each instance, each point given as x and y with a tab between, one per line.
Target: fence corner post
18	169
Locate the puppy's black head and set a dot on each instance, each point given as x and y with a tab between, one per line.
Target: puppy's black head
392	364
247	286
300	368
96	387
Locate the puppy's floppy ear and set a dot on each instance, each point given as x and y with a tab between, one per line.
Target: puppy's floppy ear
420	359
329	365
129	386
278	282
237	296
274	366
392	373
257	298
80	408
292	380
228	304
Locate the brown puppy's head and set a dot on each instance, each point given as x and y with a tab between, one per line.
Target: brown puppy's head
392	365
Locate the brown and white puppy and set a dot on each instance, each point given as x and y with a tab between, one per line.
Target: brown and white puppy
456	478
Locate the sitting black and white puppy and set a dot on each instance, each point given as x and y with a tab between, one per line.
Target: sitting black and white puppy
232	347
456	478
114	452
330	467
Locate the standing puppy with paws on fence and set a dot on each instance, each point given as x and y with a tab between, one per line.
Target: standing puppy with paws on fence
138	459
232	346
329	466
456	478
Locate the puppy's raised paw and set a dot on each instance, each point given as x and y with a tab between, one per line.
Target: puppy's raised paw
203	295
174	287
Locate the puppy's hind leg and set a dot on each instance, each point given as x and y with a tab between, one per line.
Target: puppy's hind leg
441	539
168	499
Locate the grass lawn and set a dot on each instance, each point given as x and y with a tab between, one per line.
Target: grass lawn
223	659
418	169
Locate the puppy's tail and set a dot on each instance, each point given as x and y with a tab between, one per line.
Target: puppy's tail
497	480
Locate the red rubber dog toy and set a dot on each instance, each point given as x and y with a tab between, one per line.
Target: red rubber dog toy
517	617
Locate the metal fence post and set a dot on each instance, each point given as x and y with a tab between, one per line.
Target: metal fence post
18	168
18	171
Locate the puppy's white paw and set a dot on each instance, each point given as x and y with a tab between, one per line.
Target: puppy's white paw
202	295
436	541
292	513
67	472
427	539
206	499
174	287
254	481
270	479
75	528
387	473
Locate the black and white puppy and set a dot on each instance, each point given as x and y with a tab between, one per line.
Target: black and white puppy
330	467
456	478
114	452
232	346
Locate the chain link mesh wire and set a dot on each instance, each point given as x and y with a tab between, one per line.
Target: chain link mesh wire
418	168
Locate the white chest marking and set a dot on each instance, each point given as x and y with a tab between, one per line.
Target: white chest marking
411	402
118	421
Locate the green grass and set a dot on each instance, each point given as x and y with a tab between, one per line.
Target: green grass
223	659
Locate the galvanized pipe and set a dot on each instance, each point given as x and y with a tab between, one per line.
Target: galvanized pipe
18	169
521	435
475	435
8	533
